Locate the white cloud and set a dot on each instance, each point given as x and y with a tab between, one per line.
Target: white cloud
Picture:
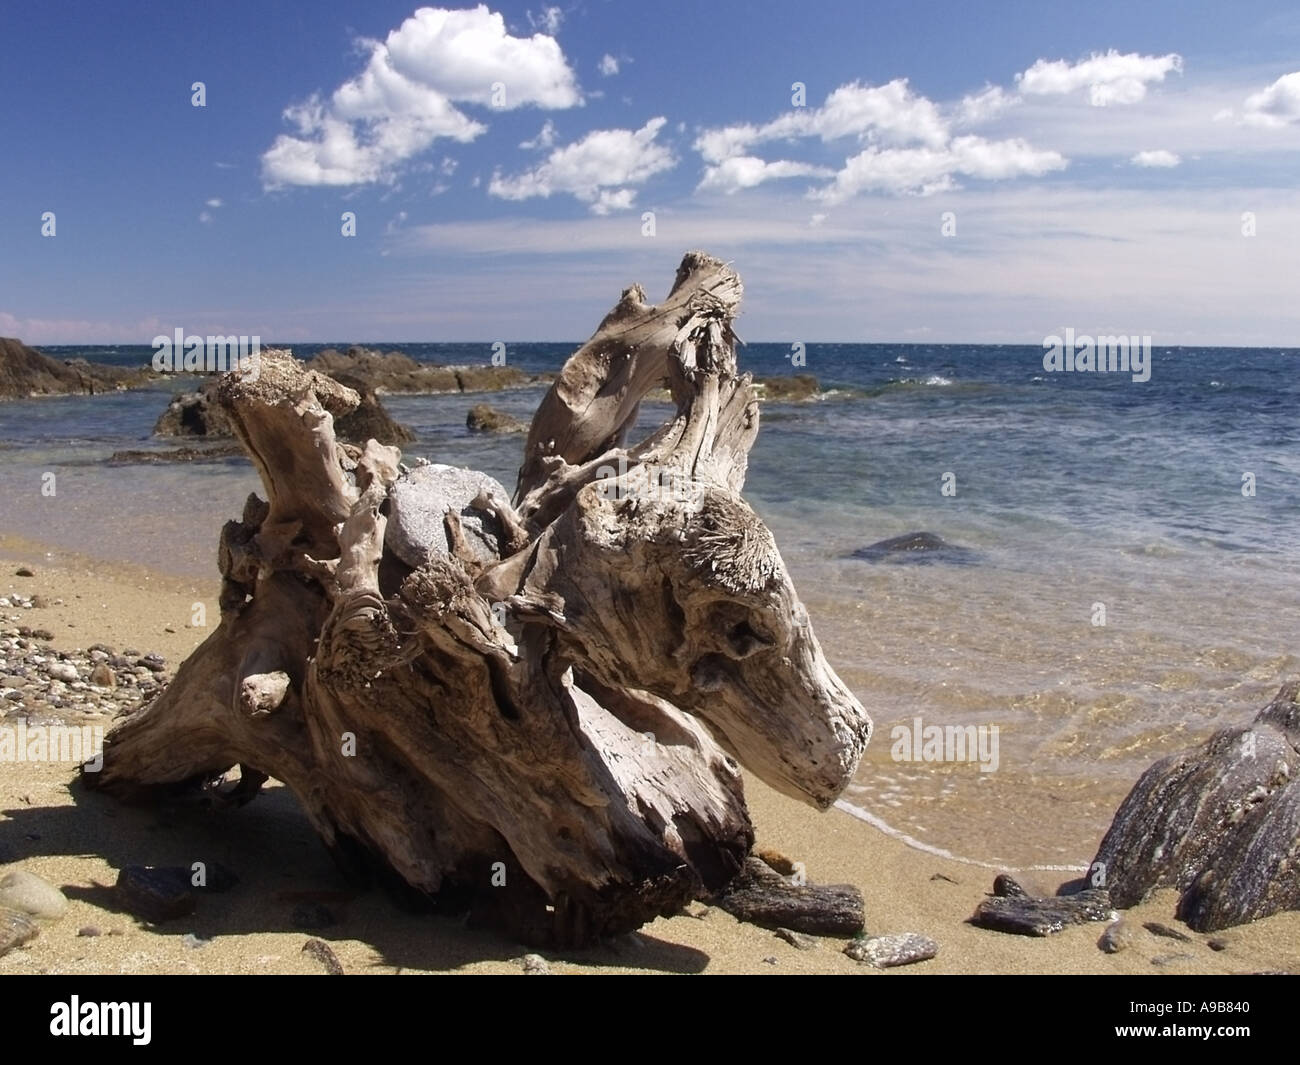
545	137
1276	106
608	65
548	21
205	217
405	97
746	171
213	203
1156	157
1110	78
982	106
601	169
925	171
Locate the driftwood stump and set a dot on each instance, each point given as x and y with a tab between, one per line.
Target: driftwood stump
523	708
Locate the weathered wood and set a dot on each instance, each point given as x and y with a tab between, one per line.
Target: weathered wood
526	709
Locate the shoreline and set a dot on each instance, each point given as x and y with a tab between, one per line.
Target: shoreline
79	840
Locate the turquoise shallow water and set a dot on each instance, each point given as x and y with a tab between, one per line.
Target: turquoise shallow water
1073	489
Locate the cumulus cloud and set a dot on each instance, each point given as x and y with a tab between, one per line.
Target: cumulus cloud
1276	106
548	21
1157	157
405	97
746	171
1110	78
601	170
982	106
924	171
545	137
608	65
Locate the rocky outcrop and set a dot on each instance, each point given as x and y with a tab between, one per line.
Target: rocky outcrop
194	414
915	547
485	419
395	373
369	421
26	372
794	389
1219	823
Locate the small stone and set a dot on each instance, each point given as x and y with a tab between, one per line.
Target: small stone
770	959
798	940
28	893
1220	943
156	894
169	629
313	915
102	676
16	929
193	942
535	965
23	571
320	950
39	602
941	876
775	860
1118	936
1006	887
153	662
89	931
1165	932
64	671
886	952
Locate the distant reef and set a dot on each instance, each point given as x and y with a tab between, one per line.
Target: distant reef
392	373
26	372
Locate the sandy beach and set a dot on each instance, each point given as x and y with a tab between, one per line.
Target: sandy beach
78	841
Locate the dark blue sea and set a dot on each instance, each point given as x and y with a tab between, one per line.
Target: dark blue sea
1172	504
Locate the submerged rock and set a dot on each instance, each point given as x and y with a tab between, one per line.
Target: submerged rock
485	419
762	896
915	547
1219	823
791	389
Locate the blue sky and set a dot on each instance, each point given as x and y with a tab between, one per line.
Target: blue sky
956	172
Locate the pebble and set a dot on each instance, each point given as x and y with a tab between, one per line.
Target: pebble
320	950
1220	943
156	894
1170	959
1118	936
1165	932
23	571
798	940
28	893
102	676
16	929
193	942
886	952
63	671
89	931
535	965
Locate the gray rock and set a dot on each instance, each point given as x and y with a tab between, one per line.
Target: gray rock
798	940
1171	959
1118	936
89	931
1218	823
193	942
916	547
1029	916
535	965
28	893
886	952
762	896
421	498
64	671
16	930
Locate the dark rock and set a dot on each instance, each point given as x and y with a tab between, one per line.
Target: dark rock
485	419
370	421
1219	943
798	940
917	547
155	663
195	414
155	894
89	931
802	386
320	950
27	372
217	878
23	571
1219	823
762	896
1026	915
16	929
313	915
1158	929
886	952
489	378
1007	887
